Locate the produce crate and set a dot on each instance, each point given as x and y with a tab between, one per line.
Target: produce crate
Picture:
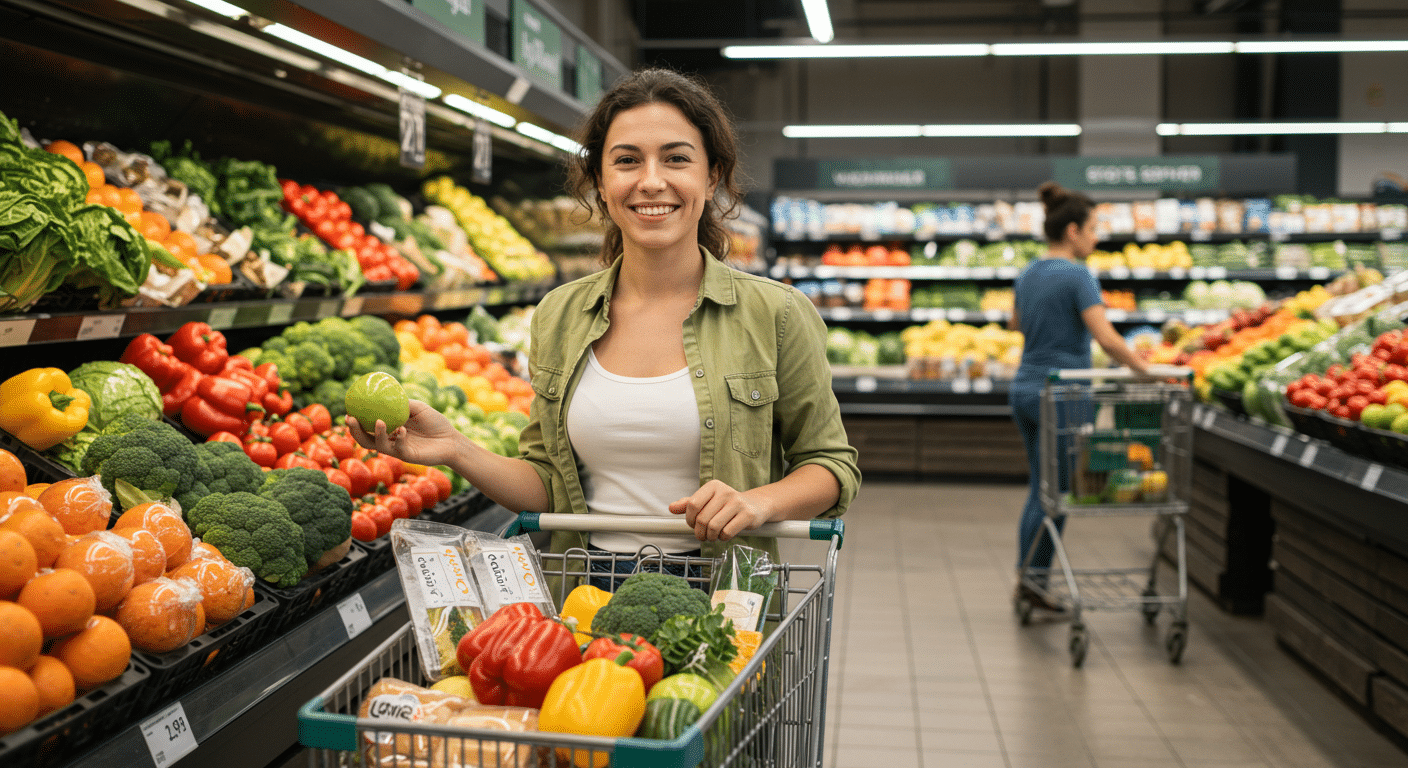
457	508
1232	401
318	591
239	287
1388	447
61	735
378	286
1345	435
38	467
1306	421
378	551
193	663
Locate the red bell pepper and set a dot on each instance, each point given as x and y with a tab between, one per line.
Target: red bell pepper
220	403
201	346
202	417
155	359
183	389
278	404
644	657
258	386
526	655
481	637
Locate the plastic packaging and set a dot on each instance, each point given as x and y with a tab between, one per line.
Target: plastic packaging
507	572
392	699
743	581
441	596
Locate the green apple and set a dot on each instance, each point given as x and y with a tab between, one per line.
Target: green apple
378	396
1373	416
1400	425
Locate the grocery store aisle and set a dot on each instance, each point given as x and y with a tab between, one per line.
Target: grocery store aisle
930	667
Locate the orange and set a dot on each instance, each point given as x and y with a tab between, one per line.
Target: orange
219	270
12	477
20	704
433	338
96	654
80	504
20	636
34	489
168	526
223	587
162	615
67	149
104	195
455	355
54	684
105	560
201	550
156	224
25	516
456	332
425	323
148	555
180	244
406	326
18	562
128	201
94	172
61	599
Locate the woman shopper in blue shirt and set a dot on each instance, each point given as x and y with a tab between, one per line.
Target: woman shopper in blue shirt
1058	310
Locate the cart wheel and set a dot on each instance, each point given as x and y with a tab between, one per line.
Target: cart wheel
1175	642
1080	643
1023	607
1151	610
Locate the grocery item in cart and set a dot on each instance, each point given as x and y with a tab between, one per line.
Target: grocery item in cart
507	572
392	699
441	596
743	582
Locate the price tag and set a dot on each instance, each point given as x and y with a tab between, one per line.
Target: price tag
954	314
168	735
1119	273
994	315
1200	235
221	318
328	308
961	273
884	315
798	273
412	129
1319	273
866	384
1209	416
1143	273
1198	273
943	273
1177	273
1146	235
1156	315
1287	273
1280	237
1008	273
354	615
1278	446
1217	273
352	307
994	235
841	313
14	333
962	386
1390	234
1117	315
281	313
984	273
1307	457
982	386
100	327
823	272
1371	476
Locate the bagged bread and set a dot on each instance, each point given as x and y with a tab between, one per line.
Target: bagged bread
403	702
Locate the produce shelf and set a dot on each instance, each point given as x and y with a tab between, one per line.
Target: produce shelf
780	270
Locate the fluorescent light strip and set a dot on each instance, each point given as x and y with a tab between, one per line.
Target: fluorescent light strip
818	20
414	85
1275	129
1073	48
326	50
221	7
548	137
913	131
469	106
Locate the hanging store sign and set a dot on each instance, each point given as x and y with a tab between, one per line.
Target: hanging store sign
482	161
1193	173
537	45
589	88
882	173
464	17
412	130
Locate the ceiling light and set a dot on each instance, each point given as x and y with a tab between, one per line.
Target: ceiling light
221	7
818	20
1271	129
1322	46
412	84
833	51
913	131
472	107
548	137
326	50
1160	48
1053	129
850	131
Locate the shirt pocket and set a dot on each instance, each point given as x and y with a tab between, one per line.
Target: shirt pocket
751	396
550	385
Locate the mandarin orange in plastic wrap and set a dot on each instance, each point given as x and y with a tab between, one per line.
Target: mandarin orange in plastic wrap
226	588
162	615
80	504
168	526
25	516
62	599
148	554
105	559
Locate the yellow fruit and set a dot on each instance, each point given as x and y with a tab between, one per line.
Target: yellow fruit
457	685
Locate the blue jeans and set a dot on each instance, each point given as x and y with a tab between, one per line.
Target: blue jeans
626	564
1026	412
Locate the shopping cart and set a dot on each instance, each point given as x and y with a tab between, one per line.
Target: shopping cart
1113	444
771	714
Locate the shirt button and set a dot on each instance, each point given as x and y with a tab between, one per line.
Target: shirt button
552	390
756	394
709	423
698	373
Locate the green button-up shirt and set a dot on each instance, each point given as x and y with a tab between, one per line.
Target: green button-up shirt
756	351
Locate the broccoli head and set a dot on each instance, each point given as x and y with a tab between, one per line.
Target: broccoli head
276	344
299	332
231	469
380	333
321	509
645	600
348	347
167	465
311	364
254	532
333	394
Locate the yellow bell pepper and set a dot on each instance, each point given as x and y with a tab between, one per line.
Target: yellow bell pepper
42	407
582	604
599	697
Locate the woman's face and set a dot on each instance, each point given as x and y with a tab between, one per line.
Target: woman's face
1082	237
655	178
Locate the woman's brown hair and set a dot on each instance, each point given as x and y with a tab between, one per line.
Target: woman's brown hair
702	109
1063	208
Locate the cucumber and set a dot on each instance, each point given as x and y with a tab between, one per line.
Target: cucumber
668	718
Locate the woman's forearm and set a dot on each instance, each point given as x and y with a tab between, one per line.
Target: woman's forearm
803	494
510	482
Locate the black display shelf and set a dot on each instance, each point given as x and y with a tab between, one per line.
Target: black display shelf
849	316
1006	274
866	395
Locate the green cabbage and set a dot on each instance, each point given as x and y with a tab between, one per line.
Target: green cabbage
116	388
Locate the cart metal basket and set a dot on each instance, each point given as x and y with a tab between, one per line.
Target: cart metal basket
1099	428
771	714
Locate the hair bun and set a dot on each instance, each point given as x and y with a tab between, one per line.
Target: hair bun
1052	194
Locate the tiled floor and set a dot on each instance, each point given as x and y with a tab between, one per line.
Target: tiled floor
931	669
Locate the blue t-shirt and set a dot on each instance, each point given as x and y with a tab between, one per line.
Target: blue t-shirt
1051	294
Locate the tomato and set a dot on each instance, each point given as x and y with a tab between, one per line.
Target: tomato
397	466
381	471
1355	406
378	273
317	449
414	503
442	483
381	516
363	527
290	187
326	230
339	478
261	451
342	444
224	437
428	490
302	423
317	413
395	505
284	436
295	459
359	475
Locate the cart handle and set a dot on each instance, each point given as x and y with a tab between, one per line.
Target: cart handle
1154	372
529	522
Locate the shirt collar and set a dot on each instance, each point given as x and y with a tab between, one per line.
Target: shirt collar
717	285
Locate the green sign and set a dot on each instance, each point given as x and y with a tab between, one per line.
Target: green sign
588	76
537	45
1192	173
464	17
885	173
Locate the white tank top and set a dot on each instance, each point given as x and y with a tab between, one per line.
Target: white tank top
638	441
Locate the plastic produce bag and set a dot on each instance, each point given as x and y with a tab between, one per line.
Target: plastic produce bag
743	580
441	597
507	571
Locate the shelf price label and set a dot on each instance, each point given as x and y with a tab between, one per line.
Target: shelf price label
1278	446
14	333
982	386
1143	273
1119	273
866	384
1200	235
1208	417
1287	273
1008	273
841	313
1117	315
168	735
1319	273
994	315
1177	273
281	313
962	386
328	308
353	306
355	616
222	317
1156	315
1146	235
884	315
1390	234
1371	476
956	314
1217	273
100	327
1307	457
1198	273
